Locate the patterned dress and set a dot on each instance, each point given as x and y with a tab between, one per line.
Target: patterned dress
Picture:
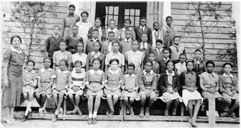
136	58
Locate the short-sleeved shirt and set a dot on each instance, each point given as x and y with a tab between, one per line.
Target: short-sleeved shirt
190	79
58	55
149	79
29	76
45	76
180	67
82	58
135	57
14	57
84	29
118	56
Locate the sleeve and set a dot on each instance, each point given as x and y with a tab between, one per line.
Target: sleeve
39	74
177	87
54	57
62	27
182	79
154	81
163	31
235	87
47	43
87	77
162	86
69	57
122	60
197	81
7	55
107	59
123	82
67	42
77	18
134	35
201	81
150	35
217	86
103	78
89	33
53	74
222	88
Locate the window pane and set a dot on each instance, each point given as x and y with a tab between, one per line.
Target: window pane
132	12
116	10
126	11
110	10
116	19
137	12
137	21
132	20
106	9
127	17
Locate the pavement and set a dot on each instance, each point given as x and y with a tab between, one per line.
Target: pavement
111	124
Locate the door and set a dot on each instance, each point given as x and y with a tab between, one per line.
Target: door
120	11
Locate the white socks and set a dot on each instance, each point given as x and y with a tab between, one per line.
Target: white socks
94	114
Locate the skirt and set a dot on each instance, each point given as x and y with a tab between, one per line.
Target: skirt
77	91
98	93
169	97
187	95
131	95
116	92
28	89
12	95
207	95
148	93
44	90
226	96
55	91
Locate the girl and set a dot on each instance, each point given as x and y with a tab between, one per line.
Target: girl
29	84
112	87
84	26
80	55
95	83
130	85
61	85
135	56
169	86
189	81
13	63
78	80
229	90
94	55
45	81
62	54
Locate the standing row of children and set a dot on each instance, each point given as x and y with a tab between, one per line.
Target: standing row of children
126	68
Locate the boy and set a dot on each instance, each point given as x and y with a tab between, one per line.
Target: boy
112	28
68	21
143	29
52	43
144	46
73	40
125	45
102	34
155	65
168	32
158	51
107	45
147	90
181	65
176	49
166	57
89	43
198	63
127	23
156	34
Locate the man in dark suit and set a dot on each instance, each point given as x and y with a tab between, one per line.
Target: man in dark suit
143	29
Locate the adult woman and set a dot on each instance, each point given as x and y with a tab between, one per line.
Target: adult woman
13	60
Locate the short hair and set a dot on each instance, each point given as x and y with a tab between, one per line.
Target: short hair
169	62
112	20
47	58
198	50
84	12
168	49
62	42
80	42
127	30
30	61
131	65
77	62
182	54
65	62
97	18
97	59
228	64
155	23
116	42
72	6
97	30
190	61
143	17
135	41
168	17
144	33
15	36
111	32
160	41
127	20
113	60
75	26
176	37
148	61
151	53
210	62
97	43
56	26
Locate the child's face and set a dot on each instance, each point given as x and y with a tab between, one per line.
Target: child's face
62	46
115	47
182	58
80	47
170	66
96	64
159	45
198	55
84	17
127	24
177	41
112	24
134	45
128	34
56	30
130	70
151	57
30	66
16	42
96	46
75	30
62	65
169	21
78	67
47	63
143	22
148	67
95	34
210	67
111	36
227	69
166	54
97	23
189	66
114	65
144	38
71	10
156	26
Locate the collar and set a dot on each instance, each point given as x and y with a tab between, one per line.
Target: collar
225	75
65	71
176	45
93	53
168	26
172	74
70	15
55	35
113	72
132	75
98	72
195	60
145	73
94	40
97	28
159	50
128	40
142	27
211	74
192	72
114	30
16	50
125	29
166	59
26	71
43	69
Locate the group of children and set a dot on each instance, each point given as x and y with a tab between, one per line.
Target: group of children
124	68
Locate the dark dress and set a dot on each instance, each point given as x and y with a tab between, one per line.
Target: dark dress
12	94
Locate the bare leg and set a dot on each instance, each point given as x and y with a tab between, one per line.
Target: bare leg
43	100
97	103
90	105
151	100
77	100
110	102
61	98
115	99
190	108
55	98
11	114
143	100
196	109
168	104
236	104
7	115
176	103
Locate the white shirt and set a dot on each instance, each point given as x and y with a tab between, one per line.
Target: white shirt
81	57
181	67
144	45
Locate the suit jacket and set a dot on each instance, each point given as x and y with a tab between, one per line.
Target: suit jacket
52	44
139	32
163	83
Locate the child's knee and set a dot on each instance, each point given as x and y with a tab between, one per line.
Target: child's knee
109	96
125	99
77	96
228	101
70	96
115	97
